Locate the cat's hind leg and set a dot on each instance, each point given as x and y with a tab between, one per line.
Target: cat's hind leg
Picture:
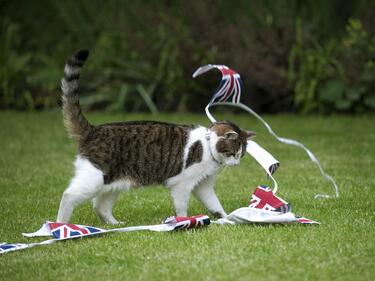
103	204
85	185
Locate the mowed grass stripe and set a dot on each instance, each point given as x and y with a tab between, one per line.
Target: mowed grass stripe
36	166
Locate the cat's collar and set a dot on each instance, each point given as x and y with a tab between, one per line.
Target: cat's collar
208	138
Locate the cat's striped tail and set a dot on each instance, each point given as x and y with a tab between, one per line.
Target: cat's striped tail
75	122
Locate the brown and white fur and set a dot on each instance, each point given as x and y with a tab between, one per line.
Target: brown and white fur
116	157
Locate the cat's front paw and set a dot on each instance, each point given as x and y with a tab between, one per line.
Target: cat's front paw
224	221
114	222
220	215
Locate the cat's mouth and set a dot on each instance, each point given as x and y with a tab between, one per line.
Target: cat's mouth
233	159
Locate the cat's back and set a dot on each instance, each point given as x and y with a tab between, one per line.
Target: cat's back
140	132
147	151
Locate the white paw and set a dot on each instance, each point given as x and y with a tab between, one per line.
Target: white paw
223	221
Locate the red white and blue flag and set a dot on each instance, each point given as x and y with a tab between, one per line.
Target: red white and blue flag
230	87
180	223
263	198
265	207
67	231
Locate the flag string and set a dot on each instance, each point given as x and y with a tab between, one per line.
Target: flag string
226	92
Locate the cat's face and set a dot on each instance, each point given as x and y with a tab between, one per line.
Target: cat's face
228	142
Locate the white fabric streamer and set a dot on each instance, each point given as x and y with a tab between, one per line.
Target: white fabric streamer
280	139
264	158
247	215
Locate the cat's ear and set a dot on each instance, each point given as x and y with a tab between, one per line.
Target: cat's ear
248	134
231	135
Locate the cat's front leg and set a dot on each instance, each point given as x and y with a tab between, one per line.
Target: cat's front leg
205	193
181	195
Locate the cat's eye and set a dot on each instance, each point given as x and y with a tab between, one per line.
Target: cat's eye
231	135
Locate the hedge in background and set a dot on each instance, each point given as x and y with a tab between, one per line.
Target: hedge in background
293	55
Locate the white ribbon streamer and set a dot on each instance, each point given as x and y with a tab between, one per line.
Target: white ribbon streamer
313	158
254	215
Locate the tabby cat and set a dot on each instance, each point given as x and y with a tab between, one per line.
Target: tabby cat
119	156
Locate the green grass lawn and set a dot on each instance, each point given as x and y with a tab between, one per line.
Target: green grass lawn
36	165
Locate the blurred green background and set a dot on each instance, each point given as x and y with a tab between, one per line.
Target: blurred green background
294	56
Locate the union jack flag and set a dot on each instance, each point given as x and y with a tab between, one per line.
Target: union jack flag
230	87
188	222
66	231
263	198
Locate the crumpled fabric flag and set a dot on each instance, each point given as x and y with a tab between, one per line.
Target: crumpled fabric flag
264	207
229	93
63	231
